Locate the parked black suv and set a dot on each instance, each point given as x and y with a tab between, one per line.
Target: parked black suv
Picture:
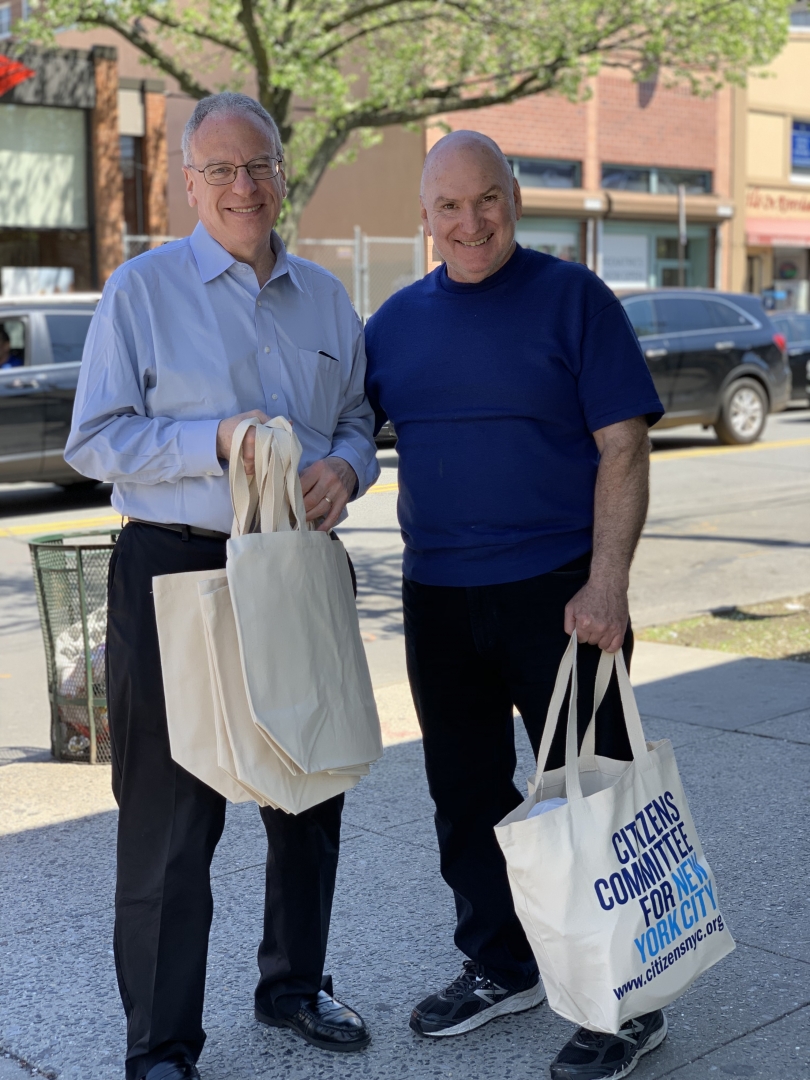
715	358
41	342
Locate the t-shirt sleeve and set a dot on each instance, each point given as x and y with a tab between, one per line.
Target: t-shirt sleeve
614	381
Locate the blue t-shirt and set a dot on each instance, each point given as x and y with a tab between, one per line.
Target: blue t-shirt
494	390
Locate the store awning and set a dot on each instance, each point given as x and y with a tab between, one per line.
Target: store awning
777	232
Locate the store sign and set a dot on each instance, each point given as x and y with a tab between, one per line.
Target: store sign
777	203
625	260
800	149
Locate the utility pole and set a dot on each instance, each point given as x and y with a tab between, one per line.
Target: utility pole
681	235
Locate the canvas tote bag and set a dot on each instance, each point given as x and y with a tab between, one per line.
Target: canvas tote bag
612	889
304	666
184	666
242	750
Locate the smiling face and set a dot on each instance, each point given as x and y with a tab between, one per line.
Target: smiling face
241	215
470	204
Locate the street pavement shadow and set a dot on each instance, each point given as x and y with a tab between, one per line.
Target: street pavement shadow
391	940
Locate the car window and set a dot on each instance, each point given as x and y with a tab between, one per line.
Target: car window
642	316
67	336
12	343
678	314
725	316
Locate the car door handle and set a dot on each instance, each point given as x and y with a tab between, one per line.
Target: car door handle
24	384
652	353
724	345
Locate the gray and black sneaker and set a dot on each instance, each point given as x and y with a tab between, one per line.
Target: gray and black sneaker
470	1001
590	1055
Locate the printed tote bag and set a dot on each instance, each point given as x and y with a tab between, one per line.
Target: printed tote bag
612	888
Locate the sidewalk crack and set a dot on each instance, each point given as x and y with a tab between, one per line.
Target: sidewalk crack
734	1039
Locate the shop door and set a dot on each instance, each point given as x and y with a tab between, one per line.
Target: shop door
22	413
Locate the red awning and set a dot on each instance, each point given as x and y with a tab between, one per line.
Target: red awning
12	72
777	232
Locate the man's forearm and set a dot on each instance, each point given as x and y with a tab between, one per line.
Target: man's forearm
620	501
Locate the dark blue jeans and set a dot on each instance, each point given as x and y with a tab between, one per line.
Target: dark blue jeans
473	654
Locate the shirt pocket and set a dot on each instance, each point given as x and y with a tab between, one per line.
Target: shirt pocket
321	390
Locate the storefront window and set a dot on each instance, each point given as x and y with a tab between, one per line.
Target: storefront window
656	181
42	260
546	173
800	15
43	175
132	173
558	237
641	255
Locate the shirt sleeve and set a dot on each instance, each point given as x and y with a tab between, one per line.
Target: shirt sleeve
112	438
353	439
614	382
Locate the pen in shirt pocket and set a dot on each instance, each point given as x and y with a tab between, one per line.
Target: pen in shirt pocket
328	356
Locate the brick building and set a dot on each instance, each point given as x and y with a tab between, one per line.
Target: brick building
599	180
83	163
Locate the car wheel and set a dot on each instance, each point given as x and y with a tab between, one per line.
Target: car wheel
742	414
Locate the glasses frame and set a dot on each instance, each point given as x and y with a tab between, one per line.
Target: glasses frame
224	183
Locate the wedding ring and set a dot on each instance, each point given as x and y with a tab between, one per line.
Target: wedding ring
327	499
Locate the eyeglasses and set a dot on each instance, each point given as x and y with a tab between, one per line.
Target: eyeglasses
223	172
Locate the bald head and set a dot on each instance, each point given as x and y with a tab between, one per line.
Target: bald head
470	205
460	149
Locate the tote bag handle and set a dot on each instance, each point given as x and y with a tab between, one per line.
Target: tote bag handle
632	719
568	672
281	502
244	488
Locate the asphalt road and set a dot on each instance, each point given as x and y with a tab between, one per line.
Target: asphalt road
727	525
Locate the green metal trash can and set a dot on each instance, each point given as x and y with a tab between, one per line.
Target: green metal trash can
70	573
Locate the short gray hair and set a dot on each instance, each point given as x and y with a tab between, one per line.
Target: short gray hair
226	102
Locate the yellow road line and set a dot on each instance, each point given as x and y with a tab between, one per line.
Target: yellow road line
713	451
381	489
47	527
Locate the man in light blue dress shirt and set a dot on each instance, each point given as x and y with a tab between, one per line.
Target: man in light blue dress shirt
187	340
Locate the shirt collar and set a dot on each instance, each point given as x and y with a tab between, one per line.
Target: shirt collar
212	258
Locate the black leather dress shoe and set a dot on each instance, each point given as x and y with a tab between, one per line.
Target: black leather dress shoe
325	1023
173	1070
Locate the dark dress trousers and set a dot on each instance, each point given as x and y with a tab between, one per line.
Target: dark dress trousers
169	825
473	654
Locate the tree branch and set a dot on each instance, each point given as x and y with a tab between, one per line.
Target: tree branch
247	18
162	59
202	35
344	42
358	13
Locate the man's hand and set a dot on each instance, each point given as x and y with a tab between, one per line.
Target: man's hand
599	612
327	486
225	438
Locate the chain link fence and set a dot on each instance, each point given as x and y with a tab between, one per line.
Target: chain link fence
70	575
372	268
137	245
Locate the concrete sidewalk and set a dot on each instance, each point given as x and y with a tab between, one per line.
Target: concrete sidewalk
741	729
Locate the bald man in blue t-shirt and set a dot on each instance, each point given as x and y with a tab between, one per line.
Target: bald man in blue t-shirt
521	401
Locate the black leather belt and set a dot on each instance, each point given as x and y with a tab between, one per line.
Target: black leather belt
184	530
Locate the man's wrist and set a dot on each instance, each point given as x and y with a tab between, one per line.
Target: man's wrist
609	577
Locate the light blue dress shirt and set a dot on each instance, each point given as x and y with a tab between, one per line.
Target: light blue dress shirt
184	337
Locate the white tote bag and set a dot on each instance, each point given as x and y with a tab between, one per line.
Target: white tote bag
612	888
243	751
186	681
305	670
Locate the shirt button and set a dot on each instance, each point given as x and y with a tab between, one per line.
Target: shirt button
258	303
275	397
267	348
